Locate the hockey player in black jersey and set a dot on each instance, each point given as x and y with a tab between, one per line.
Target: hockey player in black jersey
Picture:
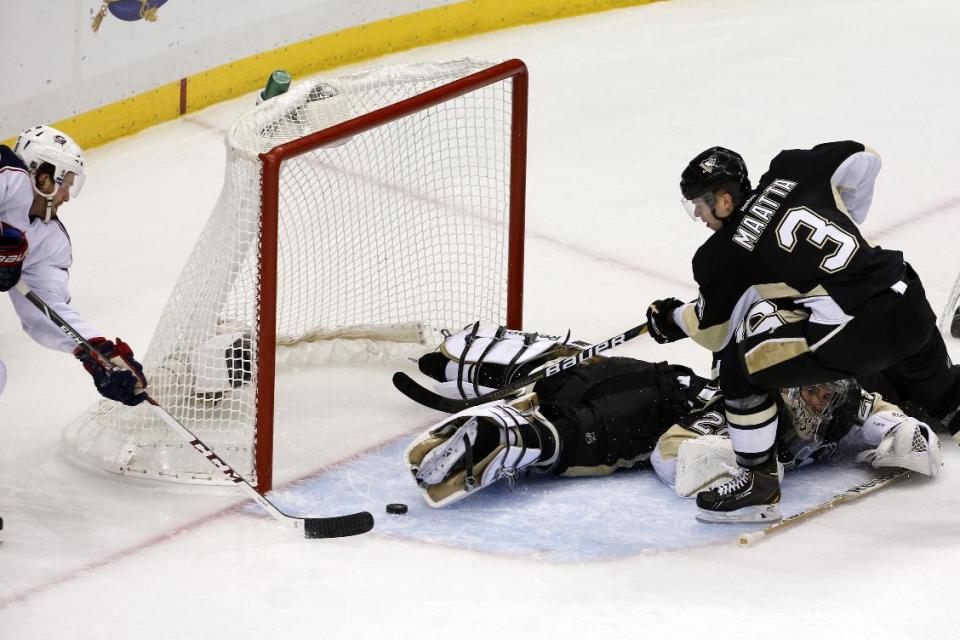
615	413
791	294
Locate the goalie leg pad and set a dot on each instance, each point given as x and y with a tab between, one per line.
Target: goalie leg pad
478	360
477	447
706	462
209	370
224	361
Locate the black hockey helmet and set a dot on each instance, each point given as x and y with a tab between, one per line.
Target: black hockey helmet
712	169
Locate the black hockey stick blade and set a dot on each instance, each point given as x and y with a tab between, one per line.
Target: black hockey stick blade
421	395
338	526
418	393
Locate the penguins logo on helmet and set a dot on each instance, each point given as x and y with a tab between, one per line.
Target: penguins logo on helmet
717	167
709	164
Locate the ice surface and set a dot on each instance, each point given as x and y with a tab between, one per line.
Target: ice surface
559	520
619	103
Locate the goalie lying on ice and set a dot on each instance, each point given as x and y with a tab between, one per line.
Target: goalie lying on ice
614	413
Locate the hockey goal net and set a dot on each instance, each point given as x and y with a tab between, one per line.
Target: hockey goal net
358	214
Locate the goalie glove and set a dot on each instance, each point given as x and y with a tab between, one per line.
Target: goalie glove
479	446
13	249
909	444
125	382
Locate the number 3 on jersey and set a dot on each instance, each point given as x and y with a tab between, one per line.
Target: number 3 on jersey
821	231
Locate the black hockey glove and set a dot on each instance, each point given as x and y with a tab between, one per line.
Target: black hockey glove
13	248
660	322
123	384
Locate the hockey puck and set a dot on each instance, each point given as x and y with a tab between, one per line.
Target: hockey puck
397	508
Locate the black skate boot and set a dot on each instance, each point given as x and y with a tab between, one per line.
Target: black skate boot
952	422
750	496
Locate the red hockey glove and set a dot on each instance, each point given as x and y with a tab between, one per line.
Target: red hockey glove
126	382
13	249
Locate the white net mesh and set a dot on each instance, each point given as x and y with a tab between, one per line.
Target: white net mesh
384	239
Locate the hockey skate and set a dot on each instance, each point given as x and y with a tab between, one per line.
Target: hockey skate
751	495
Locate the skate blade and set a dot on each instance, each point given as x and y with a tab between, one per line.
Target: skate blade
756	513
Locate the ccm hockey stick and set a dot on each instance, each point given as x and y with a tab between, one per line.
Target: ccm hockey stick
333	527
410	388
862	489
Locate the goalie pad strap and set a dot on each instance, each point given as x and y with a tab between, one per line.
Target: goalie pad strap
498	345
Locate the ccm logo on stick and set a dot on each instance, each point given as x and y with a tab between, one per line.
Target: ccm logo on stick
220	464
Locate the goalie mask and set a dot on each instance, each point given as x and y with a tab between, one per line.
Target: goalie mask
812	408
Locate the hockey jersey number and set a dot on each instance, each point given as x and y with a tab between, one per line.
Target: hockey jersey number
821	231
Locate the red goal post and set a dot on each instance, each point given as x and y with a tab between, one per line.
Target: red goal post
346	214
513	70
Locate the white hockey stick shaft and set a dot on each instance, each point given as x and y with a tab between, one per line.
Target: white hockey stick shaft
862	489
313	527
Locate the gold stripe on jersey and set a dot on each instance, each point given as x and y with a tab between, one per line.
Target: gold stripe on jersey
713	338
716	337
770	353
603	469
669	443
873	403
774	290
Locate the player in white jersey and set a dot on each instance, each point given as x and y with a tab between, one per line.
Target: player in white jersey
37	177
42	172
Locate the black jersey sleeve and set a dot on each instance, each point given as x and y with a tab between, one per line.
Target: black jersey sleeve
818	163
723	275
